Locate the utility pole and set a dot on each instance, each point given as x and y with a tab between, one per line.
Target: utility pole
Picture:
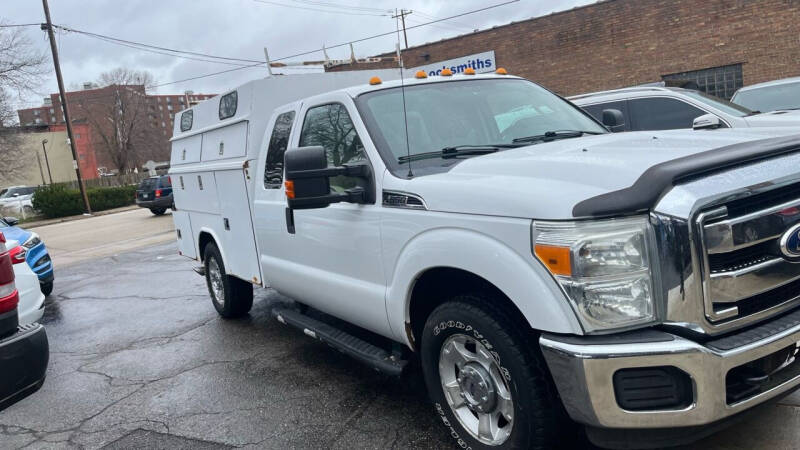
49	28
402	15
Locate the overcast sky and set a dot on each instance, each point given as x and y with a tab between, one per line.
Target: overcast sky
240	29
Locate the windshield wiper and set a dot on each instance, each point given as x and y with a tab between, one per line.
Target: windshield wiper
456	151
753	113
553	135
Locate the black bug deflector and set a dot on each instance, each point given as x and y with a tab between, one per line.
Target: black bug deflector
658	179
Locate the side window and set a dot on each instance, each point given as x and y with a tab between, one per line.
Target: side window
596	111
661	114
273	172
331	127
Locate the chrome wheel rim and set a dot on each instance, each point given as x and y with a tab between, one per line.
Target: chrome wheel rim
476	390
215	282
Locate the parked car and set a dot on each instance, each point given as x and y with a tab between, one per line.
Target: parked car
24	350
37	256
777	95
18	198
155	194
31	298
667	108
643	283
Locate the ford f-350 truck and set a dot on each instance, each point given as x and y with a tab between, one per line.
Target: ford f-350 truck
644	285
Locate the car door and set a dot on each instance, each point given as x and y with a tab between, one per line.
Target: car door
329	258
661	113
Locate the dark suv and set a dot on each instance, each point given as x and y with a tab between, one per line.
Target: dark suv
155	194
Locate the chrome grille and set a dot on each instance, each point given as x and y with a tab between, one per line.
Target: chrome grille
744	271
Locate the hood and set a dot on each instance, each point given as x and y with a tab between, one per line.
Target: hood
15	233
545	181
781	118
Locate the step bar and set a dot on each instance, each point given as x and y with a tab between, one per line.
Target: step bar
373	356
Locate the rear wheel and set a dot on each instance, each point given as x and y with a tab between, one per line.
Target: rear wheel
158	211
231	296
487	381
47	288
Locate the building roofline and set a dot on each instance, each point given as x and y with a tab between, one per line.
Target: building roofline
496	27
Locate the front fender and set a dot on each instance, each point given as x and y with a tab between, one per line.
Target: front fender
523	280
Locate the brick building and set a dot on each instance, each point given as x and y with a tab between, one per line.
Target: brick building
720	44
91	106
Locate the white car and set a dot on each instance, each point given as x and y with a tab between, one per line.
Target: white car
17	199
776	95
31	299
668	108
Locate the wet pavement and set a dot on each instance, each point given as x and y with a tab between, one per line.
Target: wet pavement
140	359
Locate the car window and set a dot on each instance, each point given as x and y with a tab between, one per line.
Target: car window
165	182
273	172
770	98
596	111
331	127
659	113
148	183
719	103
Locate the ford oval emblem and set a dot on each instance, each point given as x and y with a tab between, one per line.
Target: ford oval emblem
790	242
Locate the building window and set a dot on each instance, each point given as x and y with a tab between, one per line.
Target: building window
163	124
77	136
169	100
721	81
169	107
36	112
52	111
52	119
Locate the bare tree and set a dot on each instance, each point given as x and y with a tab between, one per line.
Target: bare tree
117	114
21	71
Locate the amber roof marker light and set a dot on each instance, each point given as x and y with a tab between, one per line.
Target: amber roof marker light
446	73
469	71
501	71
421	74
375	81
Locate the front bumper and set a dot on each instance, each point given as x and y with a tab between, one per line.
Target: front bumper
24	357
583	369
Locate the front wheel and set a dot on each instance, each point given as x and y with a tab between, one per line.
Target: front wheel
231	296
486	380
47	288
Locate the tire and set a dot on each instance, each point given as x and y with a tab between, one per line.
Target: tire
231	296
47	288
158	211
505	354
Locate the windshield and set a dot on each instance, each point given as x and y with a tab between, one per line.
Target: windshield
466	113
716	102
770	98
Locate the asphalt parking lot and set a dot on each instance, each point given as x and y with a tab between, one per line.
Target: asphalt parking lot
140	359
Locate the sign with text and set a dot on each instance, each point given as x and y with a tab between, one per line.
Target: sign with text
481	62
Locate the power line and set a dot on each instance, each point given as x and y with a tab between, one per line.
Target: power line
156	47
339	5
14	25
321	10
337	45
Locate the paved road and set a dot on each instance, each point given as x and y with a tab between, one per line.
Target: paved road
139	359
95	237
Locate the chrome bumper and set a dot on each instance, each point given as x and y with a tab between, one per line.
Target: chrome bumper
583	373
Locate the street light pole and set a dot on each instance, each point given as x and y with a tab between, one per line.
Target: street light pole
46	161
54	49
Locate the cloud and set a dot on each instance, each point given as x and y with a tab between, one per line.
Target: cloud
238	28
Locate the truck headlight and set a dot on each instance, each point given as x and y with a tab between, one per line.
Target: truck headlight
603	267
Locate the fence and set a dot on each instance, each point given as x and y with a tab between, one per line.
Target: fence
117	180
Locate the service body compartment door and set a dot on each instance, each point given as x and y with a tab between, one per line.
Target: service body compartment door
186	150
225	142
239	244
183	228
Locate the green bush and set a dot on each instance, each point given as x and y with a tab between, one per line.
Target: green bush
57	200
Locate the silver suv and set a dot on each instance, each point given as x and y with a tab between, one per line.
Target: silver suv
666	108
770	96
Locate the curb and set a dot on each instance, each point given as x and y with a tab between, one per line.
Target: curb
44	222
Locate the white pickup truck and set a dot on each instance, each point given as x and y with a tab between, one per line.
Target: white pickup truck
645	285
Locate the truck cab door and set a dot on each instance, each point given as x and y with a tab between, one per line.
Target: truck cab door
331	257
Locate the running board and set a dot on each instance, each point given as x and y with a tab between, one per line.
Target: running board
366	353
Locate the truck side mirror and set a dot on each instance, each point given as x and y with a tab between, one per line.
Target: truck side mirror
11	221
308	179
706	121
613	119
